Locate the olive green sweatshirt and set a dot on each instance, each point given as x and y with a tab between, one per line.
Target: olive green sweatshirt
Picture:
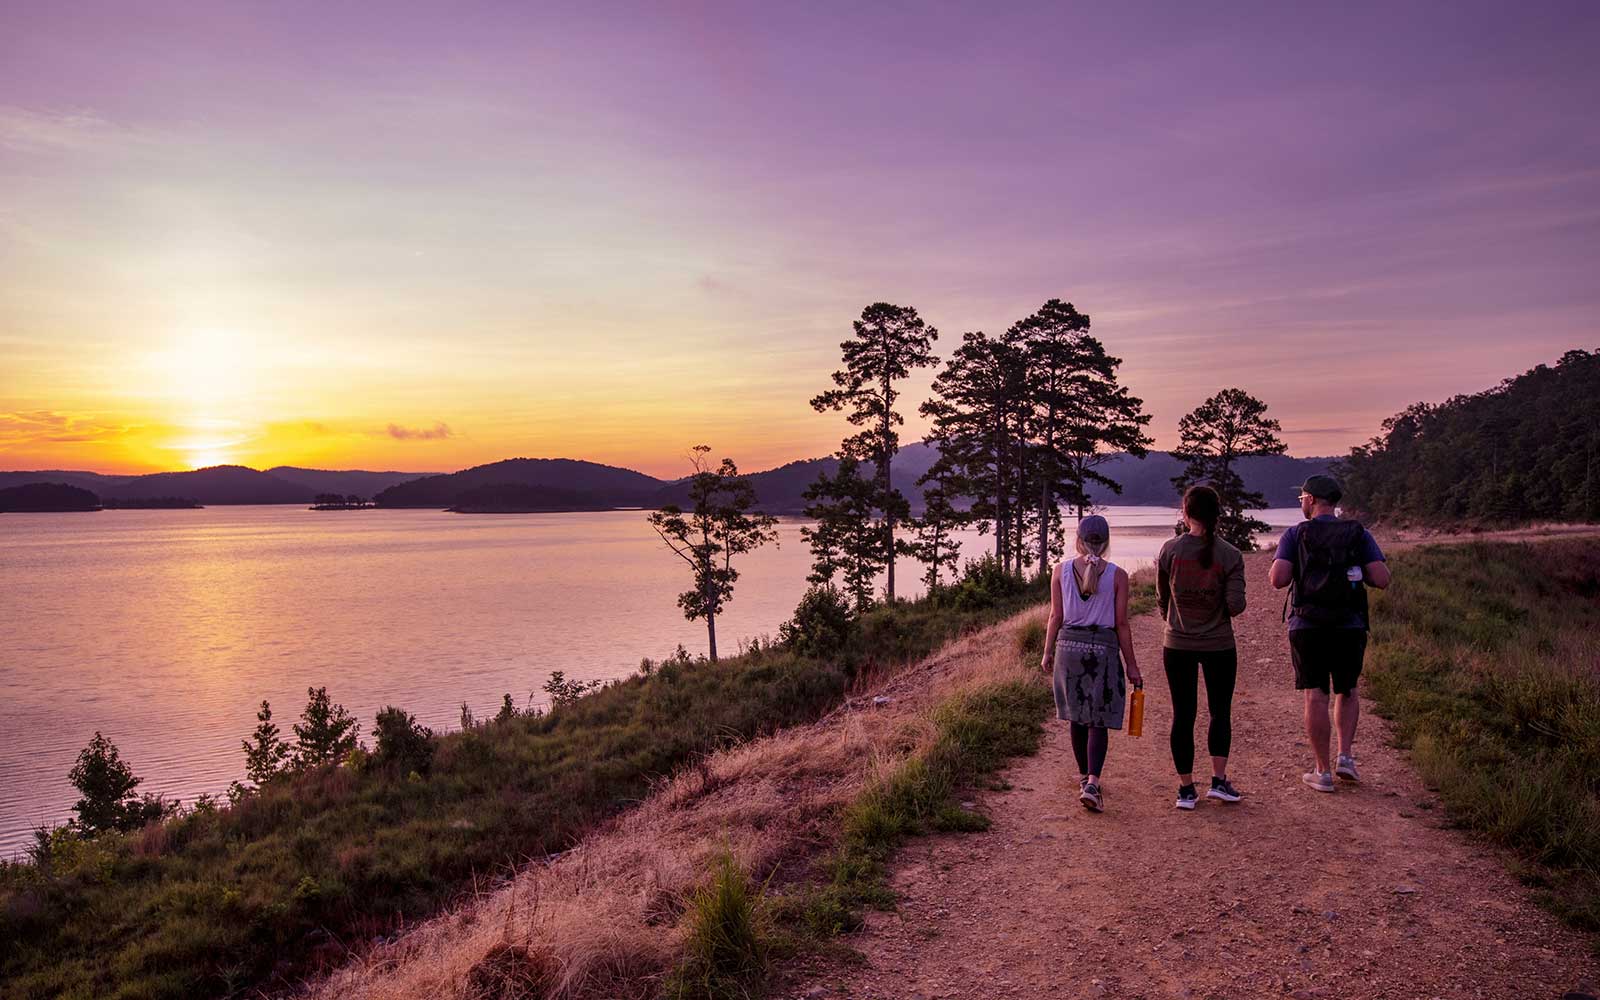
1198	601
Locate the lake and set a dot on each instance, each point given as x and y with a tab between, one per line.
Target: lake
165	629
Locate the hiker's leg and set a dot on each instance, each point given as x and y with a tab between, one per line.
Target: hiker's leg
1222	670
1347	708
1318	728
1080	746
1346	705
1097	740
1182	681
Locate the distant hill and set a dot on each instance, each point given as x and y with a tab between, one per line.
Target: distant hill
1146	481
592	486
219	484
93	481
602	485
46	497
516	498
352	483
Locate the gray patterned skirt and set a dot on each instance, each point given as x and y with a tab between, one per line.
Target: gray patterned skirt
1087	680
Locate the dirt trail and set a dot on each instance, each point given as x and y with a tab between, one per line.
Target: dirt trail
1360	894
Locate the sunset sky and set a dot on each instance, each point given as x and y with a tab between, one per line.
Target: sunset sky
341	236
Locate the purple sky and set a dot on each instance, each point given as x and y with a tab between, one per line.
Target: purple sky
495	215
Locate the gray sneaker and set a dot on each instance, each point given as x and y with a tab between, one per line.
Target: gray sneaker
1346	768
1319	781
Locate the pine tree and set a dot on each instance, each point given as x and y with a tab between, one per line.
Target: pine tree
325	734
933	540
845	537
720	525
978	415
890	342
264	752
1211	439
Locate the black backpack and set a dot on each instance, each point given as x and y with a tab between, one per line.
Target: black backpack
1322	593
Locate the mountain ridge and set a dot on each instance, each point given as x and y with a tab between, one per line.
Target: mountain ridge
593	485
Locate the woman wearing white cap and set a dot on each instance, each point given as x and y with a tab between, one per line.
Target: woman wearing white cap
1087	642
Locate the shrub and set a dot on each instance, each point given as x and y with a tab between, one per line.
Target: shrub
106	784
823	624
984	584
326	733
402	743
563	692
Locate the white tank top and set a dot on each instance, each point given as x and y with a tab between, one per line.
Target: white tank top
1100	608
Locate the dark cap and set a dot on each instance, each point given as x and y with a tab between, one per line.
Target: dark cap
1094	529
1323	488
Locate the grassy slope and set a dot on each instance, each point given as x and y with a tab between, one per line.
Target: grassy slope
212	902
1487	658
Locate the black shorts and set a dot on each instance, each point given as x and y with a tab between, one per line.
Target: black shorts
1322	655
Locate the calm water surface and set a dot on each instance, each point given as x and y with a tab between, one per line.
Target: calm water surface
166	629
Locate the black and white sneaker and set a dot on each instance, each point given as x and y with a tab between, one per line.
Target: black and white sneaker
1222	789
1090	797
1187	797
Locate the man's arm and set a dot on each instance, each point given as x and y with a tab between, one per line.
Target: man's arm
1282	574
1373	569
1376	574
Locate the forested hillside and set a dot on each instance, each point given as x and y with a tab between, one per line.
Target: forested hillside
1527	449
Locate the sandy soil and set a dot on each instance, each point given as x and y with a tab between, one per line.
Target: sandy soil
1359	894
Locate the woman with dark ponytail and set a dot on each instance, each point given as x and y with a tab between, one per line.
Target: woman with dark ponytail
1200	586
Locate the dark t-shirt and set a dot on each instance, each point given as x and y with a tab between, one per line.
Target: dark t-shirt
1289	550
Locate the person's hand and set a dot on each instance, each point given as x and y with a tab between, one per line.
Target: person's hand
1135	676
1044	662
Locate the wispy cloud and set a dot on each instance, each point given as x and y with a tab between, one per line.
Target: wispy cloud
27	131
27	427
438	432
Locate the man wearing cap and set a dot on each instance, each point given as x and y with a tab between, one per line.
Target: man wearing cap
1328	563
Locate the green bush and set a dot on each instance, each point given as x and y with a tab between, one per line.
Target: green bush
402	742
823	624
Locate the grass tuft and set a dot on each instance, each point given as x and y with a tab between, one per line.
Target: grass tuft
725	949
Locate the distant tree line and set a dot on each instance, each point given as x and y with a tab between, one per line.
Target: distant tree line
1527	449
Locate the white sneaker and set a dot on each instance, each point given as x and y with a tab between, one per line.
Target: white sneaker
1319	781
1346	768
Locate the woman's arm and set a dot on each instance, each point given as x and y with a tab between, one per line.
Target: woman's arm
1047	661
1233	588
1163	580
1124	633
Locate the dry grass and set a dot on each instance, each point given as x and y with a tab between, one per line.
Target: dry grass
602	920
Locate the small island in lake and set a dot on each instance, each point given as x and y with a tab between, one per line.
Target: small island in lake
41	498
338	501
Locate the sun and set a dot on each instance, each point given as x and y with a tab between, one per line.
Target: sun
206	457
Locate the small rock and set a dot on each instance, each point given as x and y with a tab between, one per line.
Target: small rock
879	700
1405	890
969	804
1330	914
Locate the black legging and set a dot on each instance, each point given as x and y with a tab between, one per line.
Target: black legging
1221	667
1089	746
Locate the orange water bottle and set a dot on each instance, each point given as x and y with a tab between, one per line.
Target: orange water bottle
1136	711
